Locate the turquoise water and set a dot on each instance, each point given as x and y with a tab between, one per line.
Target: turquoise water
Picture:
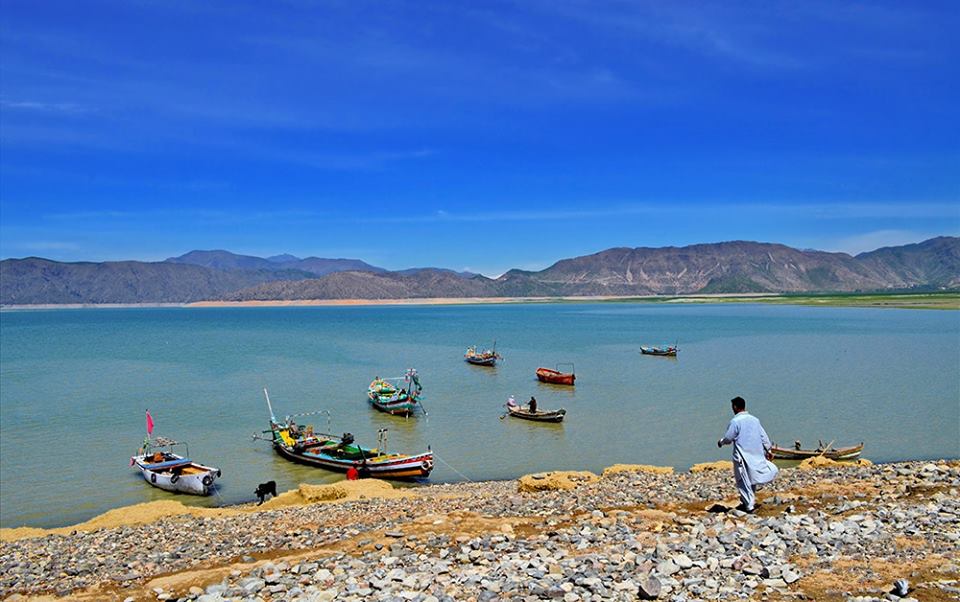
74	385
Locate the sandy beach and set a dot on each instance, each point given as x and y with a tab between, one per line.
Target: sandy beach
822	532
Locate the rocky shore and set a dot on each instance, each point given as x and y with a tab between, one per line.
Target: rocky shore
828	533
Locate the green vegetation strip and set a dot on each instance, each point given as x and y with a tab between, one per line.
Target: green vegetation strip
949	300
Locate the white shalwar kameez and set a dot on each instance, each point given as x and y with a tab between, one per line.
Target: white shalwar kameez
750	465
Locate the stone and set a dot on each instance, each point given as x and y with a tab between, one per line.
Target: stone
649	588
683	561
667	568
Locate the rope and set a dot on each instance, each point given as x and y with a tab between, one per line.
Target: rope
465	477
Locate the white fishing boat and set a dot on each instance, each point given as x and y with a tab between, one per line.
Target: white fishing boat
170	471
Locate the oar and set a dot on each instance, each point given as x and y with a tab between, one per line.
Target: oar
420	401
827	448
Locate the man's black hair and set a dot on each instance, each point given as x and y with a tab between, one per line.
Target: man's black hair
738	403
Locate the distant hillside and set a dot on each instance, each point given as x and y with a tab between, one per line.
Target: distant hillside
423	283
314	266
41	281
935	262
729	267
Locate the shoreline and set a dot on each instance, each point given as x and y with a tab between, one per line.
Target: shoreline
333	492
823	532
932	300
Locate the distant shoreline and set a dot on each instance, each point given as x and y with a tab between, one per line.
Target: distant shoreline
936	300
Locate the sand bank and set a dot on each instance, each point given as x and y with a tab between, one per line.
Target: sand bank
149	512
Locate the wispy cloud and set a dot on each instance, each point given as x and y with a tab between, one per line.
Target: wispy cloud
599	209
349	161
870	241
44	107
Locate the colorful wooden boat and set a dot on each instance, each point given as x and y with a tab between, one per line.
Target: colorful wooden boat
166	470
840	454
340	453
556	377
396	398
665	350
539	415
482	358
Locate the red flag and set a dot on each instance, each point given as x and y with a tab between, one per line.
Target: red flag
149	423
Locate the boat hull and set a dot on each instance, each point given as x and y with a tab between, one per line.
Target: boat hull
553	377
400	407
841	454
669	352
401	467
552	416
178	477
481	361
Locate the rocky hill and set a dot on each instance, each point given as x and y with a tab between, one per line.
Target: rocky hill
423	283
728	267
315	266
36	281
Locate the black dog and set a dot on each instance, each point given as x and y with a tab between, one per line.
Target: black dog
264	488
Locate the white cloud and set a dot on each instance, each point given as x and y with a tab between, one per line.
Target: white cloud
870	241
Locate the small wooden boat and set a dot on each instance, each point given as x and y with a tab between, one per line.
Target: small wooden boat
340	453
840	454
666	350
539	415
394	398
482	358
170	471
556	377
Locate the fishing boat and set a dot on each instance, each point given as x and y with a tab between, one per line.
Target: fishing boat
340	453
482	358
165	469
390	396
665	350
539	415
840	454
556	377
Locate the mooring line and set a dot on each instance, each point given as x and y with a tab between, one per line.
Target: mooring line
447	464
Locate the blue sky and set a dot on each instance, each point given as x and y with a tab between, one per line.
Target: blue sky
474	135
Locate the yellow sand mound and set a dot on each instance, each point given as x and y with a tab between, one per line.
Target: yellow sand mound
618	468
556	481
136	514
149	512
822	462
718	465
342	491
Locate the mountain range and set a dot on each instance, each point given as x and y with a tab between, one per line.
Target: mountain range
727	267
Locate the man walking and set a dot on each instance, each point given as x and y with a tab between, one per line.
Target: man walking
751	448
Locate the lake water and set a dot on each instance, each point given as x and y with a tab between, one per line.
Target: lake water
74	385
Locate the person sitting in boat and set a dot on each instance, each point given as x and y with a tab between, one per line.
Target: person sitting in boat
533	404
403	393
512	403
346	440
293	430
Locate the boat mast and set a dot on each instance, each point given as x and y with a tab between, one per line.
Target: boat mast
273	418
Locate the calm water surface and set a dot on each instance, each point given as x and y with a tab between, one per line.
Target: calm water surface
74	385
